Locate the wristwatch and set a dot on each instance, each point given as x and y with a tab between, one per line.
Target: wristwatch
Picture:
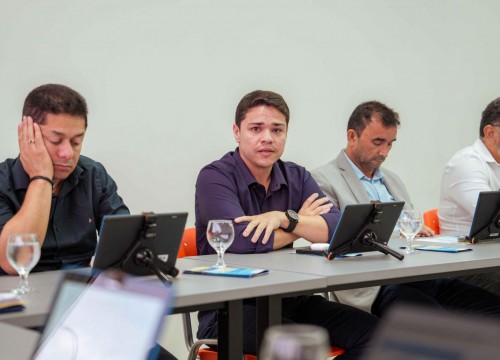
293	217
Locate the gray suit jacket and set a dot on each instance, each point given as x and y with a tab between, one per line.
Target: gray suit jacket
339	182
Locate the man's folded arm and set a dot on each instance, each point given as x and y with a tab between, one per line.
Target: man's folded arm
217	198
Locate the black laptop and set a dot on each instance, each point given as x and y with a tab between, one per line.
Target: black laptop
486	221
356	220
125	240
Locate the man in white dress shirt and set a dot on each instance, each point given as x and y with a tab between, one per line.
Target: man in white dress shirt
470	171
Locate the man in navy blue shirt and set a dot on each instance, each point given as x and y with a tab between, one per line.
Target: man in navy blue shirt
49	189
272	203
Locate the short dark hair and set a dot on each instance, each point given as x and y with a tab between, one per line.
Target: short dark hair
54	99
361	116
261	97
491	115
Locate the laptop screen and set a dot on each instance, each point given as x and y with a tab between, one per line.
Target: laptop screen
111	316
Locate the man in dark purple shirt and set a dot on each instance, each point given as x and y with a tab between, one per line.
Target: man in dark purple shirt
272	203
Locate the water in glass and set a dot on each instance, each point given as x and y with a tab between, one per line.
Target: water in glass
23	253
220	235
410	223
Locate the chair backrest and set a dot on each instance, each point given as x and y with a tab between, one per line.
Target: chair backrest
431	220
188	243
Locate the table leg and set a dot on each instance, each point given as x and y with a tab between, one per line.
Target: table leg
268	314
230	330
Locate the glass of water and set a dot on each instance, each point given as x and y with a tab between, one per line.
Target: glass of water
295	342
220	235
410	223
23	253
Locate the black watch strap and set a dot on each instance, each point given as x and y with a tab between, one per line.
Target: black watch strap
293	218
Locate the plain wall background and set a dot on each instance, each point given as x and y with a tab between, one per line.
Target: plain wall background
163	77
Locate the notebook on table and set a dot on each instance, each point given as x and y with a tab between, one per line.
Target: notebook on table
108	316
227	271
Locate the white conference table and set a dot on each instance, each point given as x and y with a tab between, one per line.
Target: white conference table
192	293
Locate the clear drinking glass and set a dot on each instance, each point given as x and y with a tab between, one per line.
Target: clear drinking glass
410	223
295	342
220	235
23	253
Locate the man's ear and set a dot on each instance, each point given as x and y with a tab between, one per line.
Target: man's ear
489	133
236	133
488	130
352	135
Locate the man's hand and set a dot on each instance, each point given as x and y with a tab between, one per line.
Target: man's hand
426	232
266	222
33	152
314	206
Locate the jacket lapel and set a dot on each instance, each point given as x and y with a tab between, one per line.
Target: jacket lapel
352	180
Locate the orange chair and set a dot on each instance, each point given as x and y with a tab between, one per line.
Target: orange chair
188	248
188	243
431	220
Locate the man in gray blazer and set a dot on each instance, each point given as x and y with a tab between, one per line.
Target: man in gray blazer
356	177
343	187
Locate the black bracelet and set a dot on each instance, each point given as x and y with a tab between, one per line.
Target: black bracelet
43	178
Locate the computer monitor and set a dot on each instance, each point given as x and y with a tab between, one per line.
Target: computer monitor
486	221
141	244
366	227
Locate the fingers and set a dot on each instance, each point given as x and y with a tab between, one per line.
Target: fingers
30	131
37	136
426	232
325	209
263	224
27	129
429	230
258	231
251	225
25	132
315	206
267	235
32	150
243	219
310	200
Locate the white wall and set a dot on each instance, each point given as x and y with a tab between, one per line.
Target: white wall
163	77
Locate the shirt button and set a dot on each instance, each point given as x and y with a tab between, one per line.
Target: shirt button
58	229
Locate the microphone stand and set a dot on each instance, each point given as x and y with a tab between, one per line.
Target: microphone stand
141	255
367	237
